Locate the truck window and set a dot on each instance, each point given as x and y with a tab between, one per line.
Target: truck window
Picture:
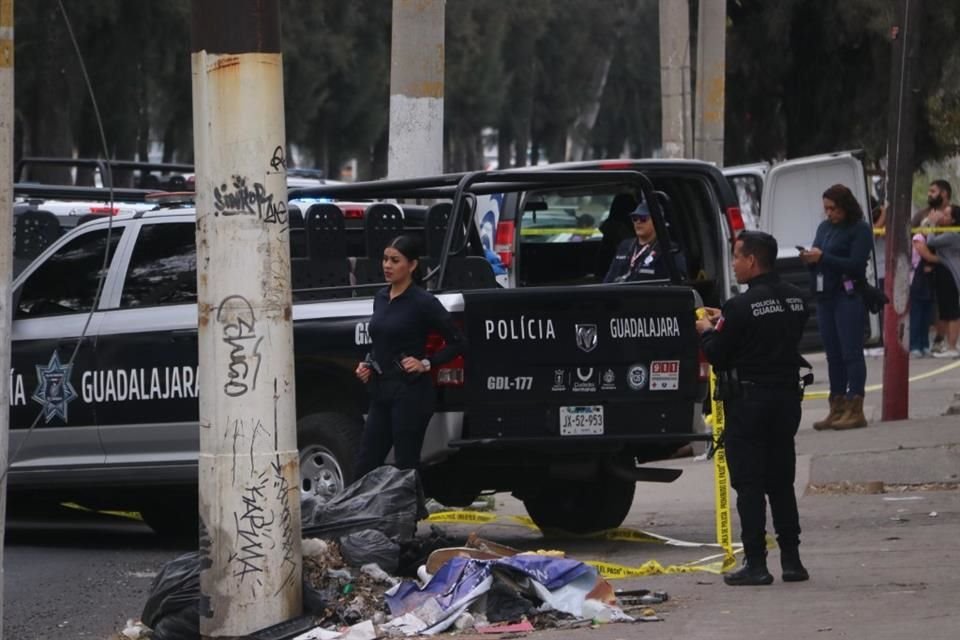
749	189
163	267
560	237
67	281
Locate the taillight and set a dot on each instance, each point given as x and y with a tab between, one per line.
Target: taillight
353	213
703	374
613	165
503	243
449	374
735	221
105	211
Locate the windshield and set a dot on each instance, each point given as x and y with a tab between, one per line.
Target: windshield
565	217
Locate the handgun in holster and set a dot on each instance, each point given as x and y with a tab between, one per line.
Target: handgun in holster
728	385
372	364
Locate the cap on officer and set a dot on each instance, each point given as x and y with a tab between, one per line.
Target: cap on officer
642	211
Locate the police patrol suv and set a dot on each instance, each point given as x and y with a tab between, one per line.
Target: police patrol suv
566	388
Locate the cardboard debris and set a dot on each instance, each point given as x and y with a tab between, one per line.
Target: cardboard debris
506	627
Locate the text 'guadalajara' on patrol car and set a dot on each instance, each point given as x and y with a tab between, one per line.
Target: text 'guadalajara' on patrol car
567	387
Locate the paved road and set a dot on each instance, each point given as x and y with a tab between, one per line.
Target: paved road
71	575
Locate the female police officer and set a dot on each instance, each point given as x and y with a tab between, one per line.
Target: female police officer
753	345
401	389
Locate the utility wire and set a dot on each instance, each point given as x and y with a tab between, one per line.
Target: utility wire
106	253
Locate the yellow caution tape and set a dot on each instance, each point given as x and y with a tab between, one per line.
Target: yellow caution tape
475	517
130	515
719	563
556	231
819	395
882	231
721	485
622	534
526	521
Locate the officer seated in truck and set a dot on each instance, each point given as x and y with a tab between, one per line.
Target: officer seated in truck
643	257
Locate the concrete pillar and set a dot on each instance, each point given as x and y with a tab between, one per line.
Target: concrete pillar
6	253
675	78
416	89
711	80
249	476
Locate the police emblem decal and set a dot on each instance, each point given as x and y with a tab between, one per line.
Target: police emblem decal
586	337
637	377
54	390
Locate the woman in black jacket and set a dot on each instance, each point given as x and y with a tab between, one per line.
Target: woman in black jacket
838	263
397	370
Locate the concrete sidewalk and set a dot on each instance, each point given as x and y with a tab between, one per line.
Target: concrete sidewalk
911	452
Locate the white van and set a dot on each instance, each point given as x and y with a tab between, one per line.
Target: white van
785	200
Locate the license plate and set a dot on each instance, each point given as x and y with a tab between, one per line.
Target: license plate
581	421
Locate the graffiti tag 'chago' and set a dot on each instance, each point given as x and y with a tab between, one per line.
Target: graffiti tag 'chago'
241	199
240	333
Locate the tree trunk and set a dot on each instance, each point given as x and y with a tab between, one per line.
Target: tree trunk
381	152
504	140
51	119
579	141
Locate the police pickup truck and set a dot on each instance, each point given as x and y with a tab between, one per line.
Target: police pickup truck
563	393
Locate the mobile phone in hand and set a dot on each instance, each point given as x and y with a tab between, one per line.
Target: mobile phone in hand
800	248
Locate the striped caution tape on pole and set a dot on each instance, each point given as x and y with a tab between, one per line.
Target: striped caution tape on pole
721	485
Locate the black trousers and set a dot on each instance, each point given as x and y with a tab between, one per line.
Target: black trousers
761	456
399	412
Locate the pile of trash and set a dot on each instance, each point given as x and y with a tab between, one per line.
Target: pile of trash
363	538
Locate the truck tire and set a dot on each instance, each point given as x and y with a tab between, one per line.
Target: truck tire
582	507
173	515
328	444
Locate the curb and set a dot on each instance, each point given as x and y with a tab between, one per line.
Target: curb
901	466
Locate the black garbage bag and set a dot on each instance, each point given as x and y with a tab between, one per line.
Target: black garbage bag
387	499
506	605
363	547
415	552
172	609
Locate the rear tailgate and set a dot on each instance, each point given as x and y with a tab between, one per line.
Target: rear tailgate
614	362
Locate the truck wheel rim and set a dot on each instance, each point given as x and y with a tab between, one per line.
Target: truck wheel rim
320	473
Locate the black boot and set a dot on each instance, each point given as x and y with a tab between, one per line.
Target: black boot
793	569
752	573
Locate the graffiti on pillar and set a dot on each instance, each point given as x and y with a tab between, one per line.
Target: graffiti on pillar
254	525
285	528
243	197
239	332
278	161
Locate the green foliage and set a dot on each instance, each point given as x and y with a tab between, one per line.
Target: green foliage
551	77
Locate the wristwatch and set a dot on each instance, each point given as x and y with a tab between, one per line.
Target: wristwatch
426	364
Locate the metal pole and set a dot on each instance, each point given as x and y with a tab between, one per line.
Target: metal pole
416	89
6	252
905	35
251	560
711	80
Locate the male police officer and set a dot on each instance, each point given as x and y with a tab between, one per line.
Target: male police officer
643	257
752	344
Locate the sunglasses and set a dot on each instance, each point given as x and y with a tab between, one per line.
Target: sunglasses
641	218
